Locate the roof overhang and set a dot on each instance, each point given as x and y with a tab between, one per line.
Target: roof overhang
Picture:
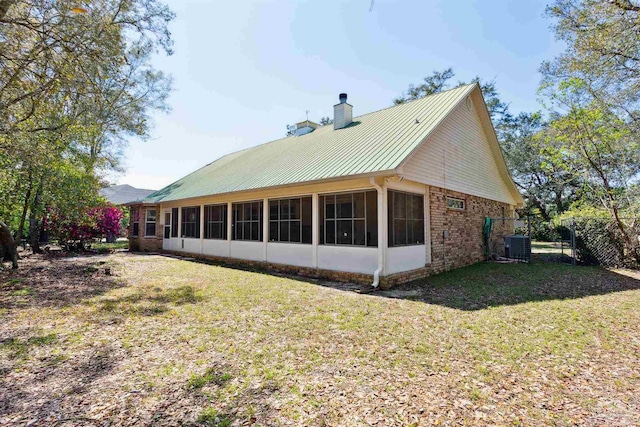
385	173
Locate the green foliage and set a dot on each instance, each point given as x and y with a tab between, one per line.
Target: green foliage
325	121
602	51
75	87
439	81
595	146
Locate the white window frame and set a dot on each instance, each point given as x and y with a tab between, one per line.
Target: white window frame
456	199
148	221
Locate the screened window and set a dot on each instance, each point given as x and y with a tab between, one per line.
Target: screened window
150	223
290	220
135	221
174	222
406	219
167	225
349	219
191	222
215	222
247	221
456	204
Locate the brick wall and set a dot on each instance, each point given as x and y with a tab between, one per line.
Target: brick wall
462	244
456	236
141	242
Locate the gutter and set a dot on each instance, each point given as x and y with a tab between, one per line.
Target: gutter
380	269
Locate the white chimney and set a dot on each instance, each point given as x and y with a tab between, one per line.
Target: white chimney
342	113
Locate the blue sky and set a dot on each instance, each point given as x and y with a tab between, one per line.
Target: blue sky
243	70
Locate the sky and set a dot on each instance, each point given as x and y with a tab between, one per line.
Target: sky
243	70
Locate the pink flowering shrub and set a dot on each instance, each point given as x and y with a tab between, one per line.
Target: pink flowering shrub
73	230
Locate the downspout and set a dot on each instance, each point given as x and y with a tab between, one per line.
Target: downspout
380	269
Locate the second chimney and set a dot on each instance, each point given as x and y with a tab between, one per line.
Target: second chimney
342	113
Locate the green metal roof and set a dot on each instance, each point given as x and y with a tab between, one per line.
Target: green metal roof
373	143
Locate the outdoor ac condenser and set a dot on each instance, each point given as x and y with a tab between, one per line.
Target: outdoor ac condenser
517	247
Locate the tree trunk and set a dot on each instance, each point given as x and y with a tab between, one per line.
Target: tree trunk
8	245
34	229
25	209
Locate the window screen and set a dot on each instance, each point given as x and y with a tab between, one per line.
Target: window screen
406	219
349	219
191	222
290	220
174	222
134	214
215	222
247	221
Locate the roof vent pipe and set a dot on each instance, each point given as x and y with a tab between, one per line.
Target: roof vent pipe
342	113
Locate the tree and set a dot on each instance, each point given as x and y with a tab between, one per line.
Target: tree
7	246
4	7
48	50
603	51
73	89
325	121
548	188
439	81
594	90
597	147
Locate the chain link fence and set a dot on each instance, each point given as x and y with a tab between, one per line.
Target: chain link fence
578	241
507	238
601	241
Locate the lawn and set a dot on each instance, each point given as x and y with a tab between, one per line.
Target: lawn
127	339
103	247
550	247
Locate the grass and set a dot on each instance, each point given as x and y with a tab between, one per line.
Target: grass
180	342
210	376
211	417
102	247
550	247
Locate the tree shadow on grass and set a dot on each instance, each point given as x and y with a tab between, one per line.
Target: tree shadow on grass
478	286
54	390
148	302
485	285
245	405
43	281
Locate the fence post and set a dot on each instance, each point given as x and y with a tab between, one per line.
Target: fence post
561	241
573	242
529	226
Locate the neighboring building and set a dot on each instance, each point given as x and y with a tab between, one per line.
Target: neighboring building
123	194
386	197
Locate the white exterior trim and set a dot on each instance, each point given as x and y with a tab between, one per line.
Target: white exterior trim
315	224
405	258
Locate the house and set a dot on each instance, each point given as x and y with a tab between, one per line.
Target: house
122	194
382	198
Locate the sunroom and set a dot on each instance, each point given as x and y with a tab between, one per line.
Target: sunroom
359	230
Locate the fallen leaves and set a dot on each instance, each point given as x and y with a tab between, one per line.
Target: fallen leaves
149	340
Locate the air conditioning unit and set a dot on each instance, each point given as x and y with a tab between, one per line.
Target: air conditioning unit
517	247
